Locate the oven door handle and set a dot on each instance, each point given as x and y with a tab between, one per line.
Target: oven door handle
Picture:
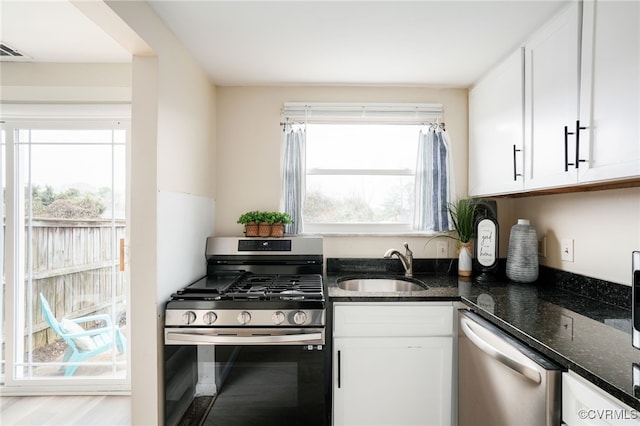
207	339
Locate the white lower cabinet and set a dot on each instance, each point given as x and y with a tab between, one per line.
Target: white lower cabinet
586	404
392	363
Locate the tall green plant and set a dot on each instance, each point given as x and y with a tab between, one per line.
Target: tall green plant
462	213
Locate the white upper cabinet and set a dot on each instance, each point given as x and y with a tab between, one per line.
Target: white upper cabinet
581	105
610	91
552	58
496	129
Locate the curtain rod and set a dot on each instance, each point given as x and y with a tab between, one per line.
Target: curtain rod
433	125
414	113
366	106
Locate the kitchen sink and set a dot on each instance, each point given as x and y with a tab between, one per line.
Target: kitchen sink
381	285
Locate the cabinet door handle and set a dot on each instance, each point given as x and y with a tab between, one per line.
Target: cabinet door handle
566	148
339	372
515	173
578	128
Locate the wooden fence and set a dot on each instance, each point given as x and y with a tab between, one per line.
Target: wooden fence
74	264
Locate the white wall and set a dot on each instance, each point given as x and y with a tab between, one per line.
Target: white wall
604	224
249	143
145	322
173	148
64	83
605	227
185	220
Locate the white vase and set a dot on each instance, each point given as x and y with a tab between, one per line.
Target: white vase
465	264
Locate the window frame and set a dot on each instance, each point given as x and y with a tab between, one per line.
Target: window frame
15	117
357	114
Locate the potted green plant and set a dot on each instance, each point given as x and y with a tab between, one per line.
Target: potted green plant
251	221
264	223
277	221
462	214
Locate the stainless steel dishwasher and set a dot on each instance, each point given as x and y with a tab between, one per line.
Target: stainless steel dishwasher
501	381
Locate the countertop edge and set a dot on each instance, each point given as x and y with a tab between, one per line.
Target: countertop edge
564	361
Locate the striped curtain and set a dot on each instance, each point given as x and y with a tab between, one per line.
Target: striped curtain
434	181
293	177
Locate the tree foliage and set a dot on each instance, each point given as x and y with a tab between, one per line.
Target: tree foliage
322	209
69	204
355	208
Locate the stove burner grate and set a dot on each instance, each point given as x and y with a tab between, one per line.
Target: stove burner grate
277	287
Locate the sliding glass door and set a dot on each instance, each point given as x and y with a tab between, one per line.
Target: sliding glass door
65	297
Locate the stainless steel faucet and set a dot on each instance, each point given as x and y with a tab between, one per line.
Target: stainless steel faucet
406	259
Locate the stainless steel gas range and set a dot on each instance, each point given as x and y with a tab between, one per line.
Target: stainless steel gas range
260	313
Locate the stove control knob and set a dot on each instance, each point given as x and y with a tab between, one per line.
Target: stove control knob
278	317
189	317
244	317
300	317
210	317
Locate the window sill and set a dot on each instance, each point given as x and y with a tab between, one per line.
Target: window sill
379	234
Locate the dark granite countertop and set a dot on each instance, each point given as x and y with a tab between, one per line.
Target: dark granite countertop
585	335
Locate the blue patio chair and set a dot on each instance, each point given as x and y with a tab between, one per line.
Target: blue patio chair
83	344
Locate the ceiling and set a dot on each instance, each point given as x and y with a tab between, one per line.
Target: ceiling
55	31
322	42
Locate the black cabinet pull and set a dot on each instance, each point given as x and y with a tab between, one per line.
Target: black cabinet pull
339	384
515	173
566	148
578	128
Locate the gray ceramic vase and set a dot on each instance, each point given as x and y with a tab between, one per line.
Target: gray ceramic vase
522	257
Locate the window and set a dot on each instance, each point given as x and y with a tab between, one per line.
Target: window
360	176
362	167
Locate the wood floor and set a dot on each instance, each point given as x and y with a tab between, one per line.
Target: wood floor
66	410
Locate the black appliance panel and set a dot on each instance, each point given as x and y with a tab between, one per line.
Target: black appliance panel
635	291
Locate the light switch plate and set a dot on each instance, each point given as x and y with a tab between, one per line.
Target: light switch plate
566	250
442	250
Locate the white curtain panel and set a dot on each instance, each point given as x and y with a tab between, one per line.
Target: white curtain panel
293	177
434	181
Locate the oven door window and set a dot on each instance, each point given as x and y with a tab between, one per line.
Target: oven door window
270	385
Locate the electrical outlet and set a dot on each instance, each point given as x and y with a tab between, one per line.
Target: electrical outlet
566	327
542	247
442	250
566	250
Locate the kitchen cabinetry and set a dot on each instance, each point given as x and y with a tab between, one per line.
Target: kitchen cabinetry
610	91
581	104
552	72
496	129
585	404
392	363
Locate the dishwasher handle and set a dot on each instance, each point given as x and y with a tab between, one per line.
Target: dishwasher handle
498	355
